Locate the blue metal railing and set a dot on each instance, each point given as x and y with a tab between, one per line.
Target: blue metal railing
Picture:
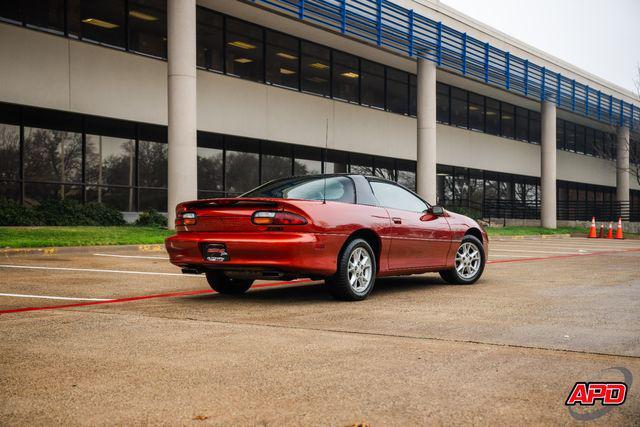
386	24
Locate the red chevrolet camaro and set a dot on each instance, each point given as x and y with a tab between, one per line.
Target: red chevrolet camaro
345	229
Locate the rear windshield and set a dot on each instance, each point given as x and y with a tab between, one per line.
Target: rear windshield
335	189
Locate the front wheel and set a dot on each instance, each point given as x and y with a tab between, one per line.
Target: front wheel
356	272
223	284
469	264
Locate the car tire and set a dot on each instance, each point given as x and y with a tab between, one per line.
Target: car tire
470	261
356	273
223	284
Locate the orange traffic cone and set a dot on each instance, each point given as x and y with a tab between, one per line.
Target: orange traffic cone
619	229
610	235
592	231
601	231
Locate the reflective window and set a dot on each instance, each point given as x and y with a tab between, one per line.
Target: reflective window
360	164
459	107
148	27
384	168
335	189
244	50
152	160
570	136
35	193
43	14
476	112
522	124
407	173
397	91
413	95
98	21
316	69
242	164
395	197
109	152
276	161
442	103
346	76
535	127
372	84
282	60
589	141
307	160
336	162
9	145
560	142
210	170
507	124
580	139
492	123
209	39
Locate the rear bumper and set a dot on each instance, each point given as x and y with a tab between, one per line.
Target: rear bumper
295	253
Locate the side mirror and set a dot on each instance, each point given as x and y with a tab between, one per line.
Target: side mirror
437	210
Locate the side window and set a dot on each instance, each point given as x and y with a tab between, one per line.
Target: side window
395	197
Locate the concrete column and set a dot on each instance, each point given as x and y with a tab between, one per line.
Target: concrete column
548	165
622	165
426	102
181	39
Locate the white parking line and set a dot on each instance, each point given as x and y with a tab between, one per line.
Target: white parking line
508	256
50	297
97	270
576	248
133	256
536	252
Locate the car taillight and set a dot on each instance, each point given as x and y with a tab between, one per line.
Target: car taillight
277	218
186	218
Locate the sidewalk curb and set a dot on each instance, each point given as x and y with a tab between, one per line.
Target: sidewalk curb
57	250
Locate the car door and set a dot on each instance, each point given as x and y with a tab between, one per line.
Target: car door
419	239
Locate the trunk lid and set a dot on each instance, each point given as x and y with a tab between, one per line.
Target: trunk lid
227	215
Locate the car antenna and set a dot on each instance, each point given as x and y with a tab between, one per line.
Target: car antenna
324	178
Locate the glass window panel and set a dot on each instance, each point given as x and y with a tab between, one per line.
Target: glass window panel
372	84
407	173
10	11
241	165
522	124
393	196
210	156
580	139
152	164
570	136
444	184
346	77
276	161
151	198
560	141
9	152
44	14
109	160
476	187
123	199
148	27
307	161
459	107
492	123
413	95
336	162
505	190
282	60
52	155
589	141
507	125
476	112
209	40
384	168
535	127
316	69
461	185
35	193
360	164
397	91
491	189
442	103
244	50
98	21
10	190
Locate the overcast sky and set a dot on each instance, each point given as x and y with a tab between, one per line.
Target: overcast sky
599	36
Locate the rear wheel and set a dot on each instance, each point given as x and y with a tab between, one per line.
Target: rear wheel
356	272
469	264
223	284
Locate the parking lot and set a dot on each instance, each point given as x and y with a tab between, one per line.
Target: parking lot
117	335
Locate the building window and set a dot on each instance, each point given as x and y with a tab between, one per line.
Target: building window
152	168
459	108
316	69
346	77
570	136
242	164
589	141
560	142
101	22
282	60
397	91
210	172
407	173
413	95
492	123
507	126
384	167
148	27
372	84
243	48
45	15
361	164
336	162
522	124
209	39
580	139
535	127
307	160
476	112
442	103
276	161
9	146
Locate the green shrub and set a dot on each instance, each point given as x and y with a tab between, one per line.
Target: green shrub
59	212
151	218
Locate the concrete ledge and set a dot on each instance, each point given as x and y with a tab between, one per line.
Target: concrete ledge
56	250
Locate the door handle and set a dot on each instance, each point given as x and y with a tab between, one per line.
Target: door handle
397	220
